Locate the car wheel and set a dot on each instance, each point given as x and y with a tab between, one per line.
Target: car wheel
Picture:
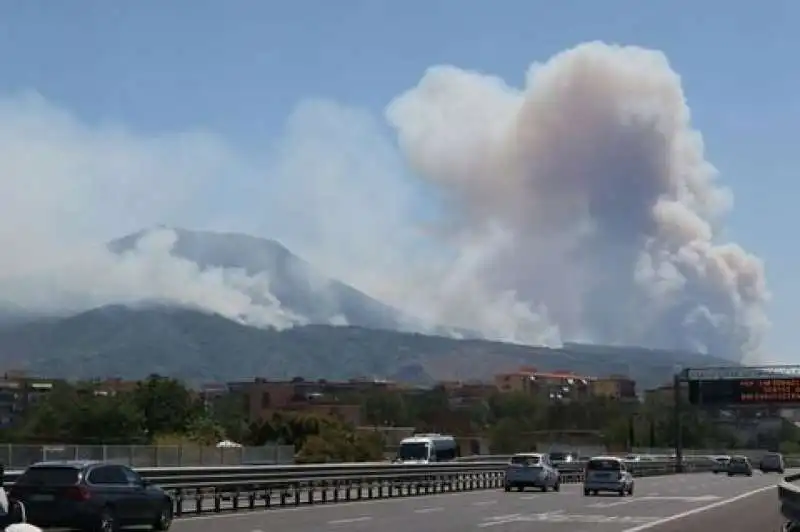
623	492
507	488
557	486
164	518
586	493
630	490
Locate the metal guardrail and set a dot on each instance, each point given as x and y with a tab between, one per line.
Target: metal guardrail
789	498
229	489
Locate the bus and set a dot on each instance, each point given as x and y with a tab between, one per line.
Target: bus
427	448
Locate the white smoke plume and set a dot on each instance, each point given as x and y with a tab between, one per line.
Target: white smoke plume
579	207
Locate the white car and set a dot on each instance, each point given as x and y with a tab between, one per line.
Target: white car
532	470
720	464
607	473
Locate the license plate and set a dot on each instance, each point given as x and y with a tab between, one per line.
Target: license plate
42	497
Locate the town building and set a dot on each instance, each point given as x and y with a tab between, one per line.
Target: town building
618	387
263	398
19	392
552	386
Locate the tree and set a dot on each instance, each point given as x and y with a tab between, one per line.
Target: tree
77	415
167	404
385	409
229	414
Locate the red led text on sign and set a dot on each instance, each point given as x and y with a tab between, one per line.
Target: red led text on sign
770	391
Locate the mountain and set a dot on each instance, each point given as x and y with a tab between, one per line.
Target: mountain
199	347
294	282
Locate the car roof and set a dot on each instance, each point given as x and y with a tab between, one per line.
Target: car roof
529	455
77	464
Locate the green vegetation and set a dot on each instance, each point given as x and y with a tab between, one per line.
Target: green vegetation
161	410
517	421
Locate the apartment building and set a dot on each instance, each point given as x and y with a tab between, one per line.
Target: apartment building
467	394
553	386
18	392
113	386
617	387
211	393
262	398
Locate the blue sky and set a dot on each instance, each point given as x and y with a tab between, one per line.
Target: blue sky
239	67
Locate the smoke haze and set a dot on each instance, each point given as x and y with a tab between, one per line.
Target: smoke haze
578	207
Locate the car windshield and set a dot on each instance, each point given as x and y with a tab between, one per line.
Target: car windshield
413	451
603	465
48	476
738	460
525	460
722	460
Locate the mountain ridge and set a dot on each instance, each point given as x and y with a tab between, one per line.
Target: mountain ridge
119	341
370	339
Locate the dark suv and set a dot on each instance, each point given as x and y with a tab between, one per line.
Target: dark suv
90	496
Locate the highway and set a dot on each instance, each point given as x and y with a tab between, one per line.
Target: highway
677	503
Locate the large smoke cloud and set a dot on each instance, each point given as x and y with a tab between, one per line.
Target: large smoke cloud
579	207
594	171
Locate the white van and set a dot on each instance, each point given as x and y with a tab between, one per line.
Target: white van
427	449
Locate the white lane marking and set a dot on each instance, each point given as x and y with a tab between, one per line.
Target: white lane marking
428	510
351	520
612	504
561	517
483	503
648	498
503	517
694	511
510	518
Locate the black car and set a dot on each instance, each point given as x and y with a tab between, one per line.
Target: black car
772	462
91	496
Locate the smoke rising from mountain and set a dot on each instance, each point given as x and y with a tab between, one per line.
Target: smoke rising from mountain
578	207
594	171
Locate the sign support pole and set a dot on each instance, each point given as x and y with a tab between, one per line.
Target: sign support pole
678	422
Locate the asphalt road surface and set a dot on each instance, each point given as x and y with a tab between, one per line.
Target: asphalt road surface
678	503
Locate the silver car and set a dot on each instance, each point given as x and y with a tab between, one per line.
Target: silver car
607	473
720	464
740	465
531	470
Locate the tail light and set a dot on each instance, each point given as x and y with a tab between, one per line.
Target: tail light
78	493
